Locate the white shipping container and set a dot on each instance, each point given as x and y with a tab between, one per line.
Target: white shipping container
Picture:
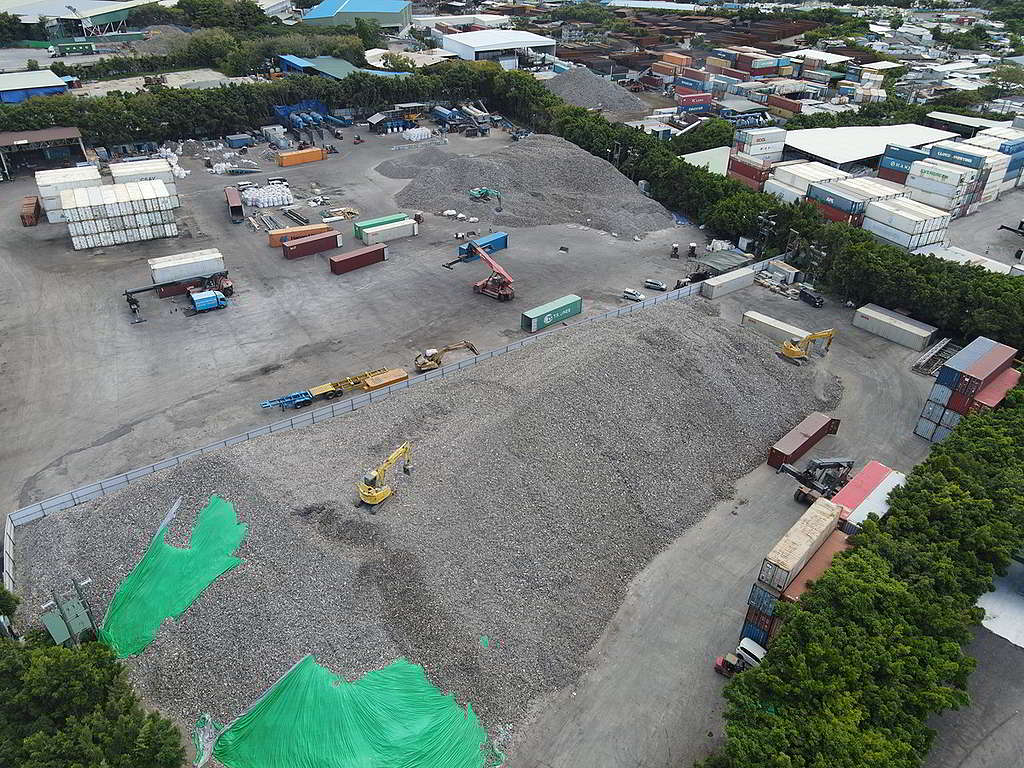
782	191
927	184
761	135
142	170
934	200
181	265
714	287
894	236
894	327
907	215
947	173
51	183
802	175
801	541
388	232
50	203
776	330
757	150
55	216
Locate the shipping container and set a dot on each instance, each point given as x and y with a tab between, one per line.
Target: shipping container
782	191
761	136
895	164
866	494
359	226
907	216
801	438
891	236
795	548
951	418
925	428
753	184
277	236
238	140
385	233
907	154
234	202
386	379
180	266
307	246
894	327
992	394
900	177
801	175
941	433
492	243
758	619
715	287
556	311
30	211
361	257
762	600
936	188
988	366
51	183
932	411
755	633
144	170
816	566
940	394
775	330
300	156
961	362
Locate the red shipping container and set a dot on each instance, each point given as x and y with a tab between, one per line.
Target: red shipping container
694	74
749	171
890	175
305	246
994	392
694	98
739	74
830	213
682	90
782	102
960	402
758	619
754	184
361	257
802	438
991	364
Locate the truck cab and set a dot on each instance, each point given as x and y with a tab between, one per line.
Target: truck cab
204	301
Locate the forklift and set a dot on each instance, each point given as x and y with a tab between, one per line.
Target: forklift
820	479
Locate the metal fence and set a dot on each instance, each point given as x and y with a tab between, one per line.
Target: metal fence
96	490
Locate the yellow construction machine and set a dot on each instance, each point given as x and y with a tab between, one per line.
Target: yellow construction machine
372	488
430	359
797	351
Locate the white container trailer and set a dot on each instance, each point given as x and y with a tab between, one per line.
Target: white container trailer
907	215
714	287
387	232
776	330
180	266
799	544
894	327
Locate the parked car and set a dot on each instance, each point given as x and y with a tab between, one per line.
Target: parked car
812	298
655	285
632	295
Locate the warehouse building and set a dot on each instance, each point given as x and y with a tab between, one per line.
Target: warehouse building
848	147
392	15
965	125
48	148
500	45
330	67
18	86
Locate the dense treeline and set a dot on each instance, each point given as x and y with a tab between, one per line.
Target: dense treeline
963	301
877	645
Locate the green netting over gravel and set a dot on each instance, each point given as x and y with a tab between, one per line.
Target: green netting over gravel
391	717
167	580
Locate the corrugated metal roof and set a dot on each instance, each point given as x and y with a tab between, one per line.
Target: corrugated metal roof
17	81
329	8
851	144
13	138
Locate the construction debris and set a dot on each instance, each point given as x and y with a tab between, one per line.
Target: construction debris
543	180
583	88
546	479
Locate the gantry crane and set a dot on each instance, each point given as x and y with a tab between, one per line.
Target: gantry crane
498	285
430	359
797	351
372	488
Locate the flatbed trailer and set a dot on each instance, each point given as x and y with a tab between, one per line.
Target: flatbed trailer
328	391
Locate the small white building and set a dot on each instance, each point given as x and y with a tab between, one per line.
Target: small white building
500	45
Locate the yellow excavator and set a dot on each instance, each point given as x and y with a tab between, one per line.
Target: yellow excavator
797	351
372	488
430	359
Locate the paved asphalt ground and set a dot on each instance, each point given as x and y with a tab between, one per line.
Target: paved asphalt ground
980	233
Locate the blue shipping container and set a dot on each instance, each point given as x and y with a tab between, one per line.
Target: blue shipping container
692	108
690	82
1012	146
895	164
904	153
959	157
755	633
763	600
831	196
940	394
497	241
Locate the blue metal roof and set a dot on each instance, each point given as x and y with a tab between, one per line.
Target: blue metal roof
329	8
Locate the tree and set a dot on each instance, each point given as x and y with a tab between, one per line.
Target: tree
369	31
396	62
1009	78
32	65
713	133
11	28
8	603
736	216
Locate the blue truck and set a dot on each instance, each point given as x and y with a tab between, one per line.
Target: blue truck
205	301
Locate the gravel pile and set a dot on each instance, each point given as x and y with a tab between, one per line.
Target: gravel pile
543	180
410	163
545	480
164	39
583	88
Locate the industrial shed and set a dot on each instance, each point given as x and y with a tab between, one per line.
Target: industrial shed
18	86
501	45
858	145
390	14
50	147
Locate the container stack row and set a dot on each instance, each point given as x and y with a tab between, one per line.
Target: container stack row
905	223
385	228
976	378
119	213
791	181
846	199
946	186
144	170
980	158
53	182
866	494
765	143
802	555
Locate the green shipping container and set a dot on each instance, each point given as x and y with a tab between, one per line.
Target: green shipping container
553	312
359	226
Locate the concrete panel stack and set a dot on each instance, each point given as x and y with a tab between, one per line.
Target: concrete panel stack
144	170
905	223
976	378
52	183
118	214
946	186
992	161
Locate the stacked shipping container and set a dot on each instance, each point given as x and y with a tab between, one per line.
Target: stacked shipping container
52	183
846	199
895	163
946	186
118	214
905	222
867	493
764	143
144	170
976	378
980	158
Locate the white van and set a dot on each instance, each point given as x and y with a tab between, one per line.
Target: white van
750	653
632	295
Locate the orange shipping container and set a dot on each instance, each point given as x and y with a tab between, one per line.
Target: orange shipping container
676	58
664	69
300	156
386	379
278	236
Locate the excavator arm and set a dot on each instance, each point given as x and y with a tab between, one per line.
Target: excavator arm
430	359
372	488
797	350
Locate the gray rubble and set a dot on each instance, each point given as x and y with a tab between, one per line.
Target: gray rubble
583	88
412	162
545	480
542	180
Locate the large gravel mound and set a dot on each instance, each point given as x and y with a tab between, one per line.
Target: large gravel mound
543	180
545	480
583	88
411	162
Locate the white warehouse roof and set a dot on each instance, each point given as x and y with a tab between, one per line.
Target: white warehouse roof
848	145
43	78
814	53
498	39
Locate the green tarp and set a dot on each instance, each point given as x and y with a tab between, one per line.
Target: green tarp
392	717
167	580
